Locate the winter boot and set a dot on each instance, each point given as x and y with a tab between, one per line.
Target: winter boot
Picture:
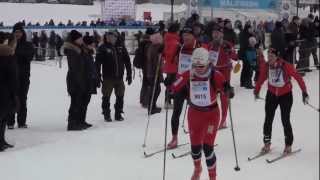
266	148
173	143
287	150
75	127
106	109
155	110
197	170
107	117
118	117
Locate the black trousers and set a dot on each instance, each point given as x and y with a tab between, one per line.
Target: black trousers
304	61
244	73
157	91
119	88
23	95
78	108
171	77
4	112
144	90
272	102
315	56
178	102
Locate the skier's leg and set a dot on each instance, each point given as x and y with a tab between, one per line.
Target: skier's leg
270	108
285	107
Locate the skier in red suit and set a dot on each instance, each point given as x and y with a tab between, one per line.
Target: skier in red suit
278	73
203	84
221	54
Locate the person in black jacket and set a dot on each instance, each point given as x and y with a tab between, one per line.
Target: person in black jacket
52	45
24	53
244	36
77	82
228	32
278	39
307	37
9	100
113	57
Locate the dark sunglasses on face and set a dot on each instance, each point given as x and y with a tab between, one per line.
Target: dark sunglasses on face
198	66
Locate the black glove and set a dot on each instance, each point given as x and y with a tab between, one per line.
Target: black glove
167	81
305	98
229	90
129	80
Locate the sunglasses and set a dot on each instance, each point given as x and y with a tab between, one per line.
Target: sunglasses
198	66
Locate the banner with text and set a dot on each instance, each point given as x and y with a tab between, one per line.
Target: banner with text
118	9
249	4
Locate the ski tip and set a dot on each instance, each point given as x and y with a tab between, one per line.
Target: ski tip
173	156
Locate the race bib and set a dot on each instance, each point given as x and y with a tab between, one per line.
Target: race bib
200	93
184	63
276	78
213	57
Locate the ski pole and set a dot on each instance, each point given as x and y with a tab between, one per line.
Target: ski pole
184	118
236	168
313	107
152	99
165	143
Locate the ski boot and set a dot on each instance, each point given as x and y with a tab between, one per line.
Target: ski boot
266	148
173	143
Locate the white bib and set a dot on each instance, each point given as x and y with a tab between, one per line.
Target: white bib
276	78
184	63
214	57
200	93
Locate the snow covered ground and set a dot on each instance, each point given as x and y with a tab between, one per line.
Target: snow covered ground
112	151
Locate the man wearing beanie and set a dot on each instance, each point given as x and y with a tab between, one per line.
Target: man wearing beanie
113	56
228	32
24	54
278	39
139	61
77	82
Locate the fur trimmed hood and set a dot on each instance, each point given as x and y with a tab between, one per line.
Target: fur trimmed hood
70	46
6	50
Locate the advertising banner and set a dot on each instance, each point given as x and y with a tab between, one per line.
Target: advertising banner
118	9
239	4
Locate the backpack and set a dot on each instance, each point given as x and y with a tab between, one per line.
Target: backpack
139	57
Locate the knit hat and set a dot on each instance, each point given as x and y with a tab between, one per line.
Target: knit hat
187	29
150	31
74	35
200	57
217	27
18	27
278	24
226	21
113	33
88	40
274	51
